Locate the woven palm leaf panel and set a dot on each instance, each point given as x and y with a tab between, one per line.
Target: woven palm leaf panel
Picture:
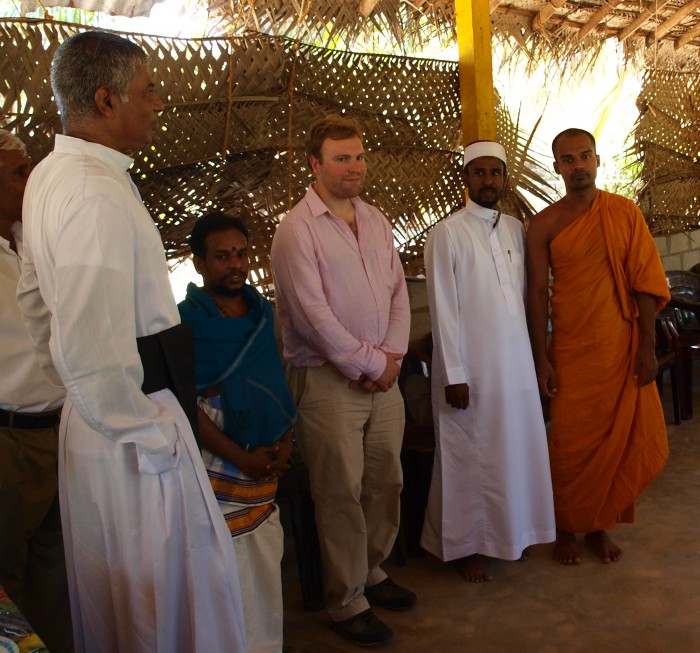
233	129
667	138
26	100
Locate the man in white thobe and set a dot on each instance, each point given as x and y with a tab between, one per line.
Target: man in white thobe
149	561
491	491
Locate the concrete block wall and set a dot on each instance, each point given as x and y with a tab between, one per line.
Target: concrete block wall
679	251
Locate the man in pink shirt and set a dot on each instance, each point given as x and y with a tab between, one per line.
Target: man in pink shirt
343	306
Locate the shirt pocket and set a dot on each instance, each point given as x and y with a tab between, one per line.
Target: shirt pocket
516	267
384	260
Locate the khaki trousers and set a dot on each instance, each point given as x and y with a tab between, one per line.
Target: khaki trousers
351	441
32	561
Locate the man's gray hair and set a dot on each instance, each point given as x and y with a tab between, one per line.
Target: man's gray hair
9	141
87	61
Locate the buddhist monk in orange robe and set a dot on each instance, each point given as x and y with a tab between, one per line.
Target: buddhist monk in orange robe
608	436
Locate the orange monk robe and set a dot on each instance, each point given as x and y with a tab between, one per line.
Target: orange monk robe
608	437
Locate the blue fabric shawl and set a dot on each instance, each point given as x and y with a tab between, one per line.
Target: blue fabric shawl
240	355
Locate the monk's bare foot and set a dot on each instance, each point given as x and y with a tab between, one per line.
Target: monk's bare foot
603	546
524	555
473	568
565	550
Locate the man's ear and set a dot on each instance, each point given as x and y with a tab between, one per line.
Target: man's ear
197	261
314	163
104	101
556	168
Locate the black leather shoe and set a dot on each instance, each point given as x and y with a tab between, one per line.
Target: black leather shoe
389	595
364	630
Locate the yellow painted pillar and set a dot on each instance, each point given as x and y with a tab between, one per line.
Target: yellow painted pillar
475	70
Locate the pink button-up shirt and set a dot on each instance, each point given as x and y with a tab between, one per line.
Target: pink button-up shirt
340	299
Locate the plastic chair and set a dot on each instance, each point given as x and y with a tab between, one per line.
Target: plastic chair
685	312
667	342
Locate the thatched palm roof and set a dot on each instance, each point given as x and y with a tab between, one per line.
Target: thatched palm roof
408	23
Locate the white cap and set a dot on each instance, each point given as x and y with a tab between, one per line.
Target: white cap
484	148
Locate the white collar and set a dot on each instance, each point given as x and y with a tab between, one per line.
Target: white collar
487	215
73	145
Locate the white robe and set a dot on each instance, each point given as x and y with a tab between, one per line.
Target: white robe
491	490
148	554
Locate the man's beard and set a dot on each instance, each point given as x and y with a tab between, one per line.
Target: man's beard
486	203
226	291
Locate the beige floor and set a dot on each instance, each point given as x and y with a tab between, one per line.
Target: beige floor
649	602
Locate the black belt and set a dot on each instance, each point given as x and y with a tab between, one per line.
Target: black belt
29	420
168	362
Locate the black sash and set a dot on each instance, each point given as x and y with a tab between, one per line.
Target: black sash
168	362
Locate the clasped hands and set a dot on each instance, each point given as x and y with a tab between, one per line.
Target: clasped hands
387	379
268	463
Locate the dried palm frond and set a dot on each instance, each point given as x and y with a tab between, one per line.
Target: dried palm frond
526	172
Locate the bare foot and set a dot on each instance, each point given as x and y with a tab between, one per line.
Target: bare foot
603	546
524	555
565	550
473	568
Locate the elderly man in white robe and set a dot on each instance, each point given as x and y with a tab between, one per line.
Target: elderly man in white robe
149	560
491	491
